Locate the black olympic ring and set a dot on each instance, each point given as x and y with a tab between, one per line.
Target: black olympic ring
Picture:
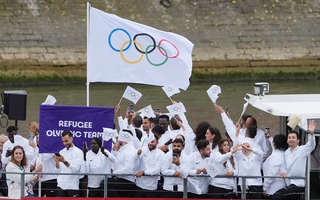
154	43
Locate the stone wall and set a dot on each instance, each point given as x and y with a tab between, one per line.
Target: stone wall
228	34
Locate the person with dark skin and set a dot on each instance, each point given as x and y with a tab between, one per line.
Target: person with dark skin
165	139
98	160
15	139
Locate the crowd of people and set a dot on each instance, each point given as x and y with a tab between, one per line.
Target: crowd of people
151	157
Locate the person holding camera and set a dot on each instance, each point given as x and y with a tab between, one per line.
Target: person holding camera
176	164
68	160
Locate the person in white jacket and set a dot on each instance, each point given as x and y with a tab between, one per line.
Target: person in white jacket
69	160
225	164
19	164
119	185
98	161
14	140
175	164
198	163
150	162
249	163
274	165
296	158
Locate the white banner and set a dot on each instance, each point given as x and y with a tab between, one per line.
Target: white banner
125	51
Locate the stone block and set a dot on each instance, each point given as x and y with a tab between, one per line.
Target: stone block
22	56
59	62
7	56
50	56
38	49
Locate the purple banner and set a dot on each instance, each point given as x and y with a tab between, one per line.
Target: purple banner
84	122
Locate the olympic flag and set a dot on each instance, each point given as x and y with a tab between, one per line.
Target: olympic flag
120	50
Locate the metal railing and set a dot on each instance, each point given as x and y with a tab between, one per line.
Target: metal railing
185	181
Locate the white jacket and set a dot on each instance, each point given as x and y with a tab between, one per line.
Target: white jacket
14	181
98	164
150	163
168	168
273	166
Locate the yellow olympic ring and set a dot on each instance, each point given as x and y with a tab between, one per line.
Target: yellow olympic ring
128	61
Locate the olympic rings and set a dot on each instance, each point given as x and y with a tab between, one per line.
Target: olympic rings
121	52
154	43
172	45
150	48
157	65
126	32
133	94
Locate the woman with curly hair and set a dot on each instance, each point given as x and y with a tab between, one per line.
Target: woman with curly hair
200	133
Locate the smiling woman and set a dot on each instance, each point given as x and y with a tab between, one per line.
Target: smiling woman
19	163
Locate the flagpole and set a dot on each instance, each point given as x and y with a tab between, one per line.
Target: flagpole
120	100
88	45
171	100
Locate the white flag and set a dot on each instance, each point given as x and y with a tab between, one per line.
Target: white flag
50	100
109	133
169	90
132	94
194	186
124	51
147	112
212	171
244	108
213	92
176	108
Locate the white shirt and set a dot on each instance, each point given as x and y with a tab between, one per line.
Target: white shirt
231	128
249	165
168	168
296	161
18	140
197	162
264	144
150	162
48	166
14	180
273	166
165	138
97	163
125	162
218	161
74	156
259	139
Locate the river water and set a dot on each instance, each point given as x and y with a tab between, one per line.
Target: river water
198	105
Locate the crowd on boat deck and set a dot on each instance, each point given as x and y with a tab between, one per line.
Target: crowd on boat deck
152	157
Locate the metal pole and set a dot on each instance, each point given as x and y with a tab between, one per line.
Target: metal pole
185	187
105	186
22	184
243	189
